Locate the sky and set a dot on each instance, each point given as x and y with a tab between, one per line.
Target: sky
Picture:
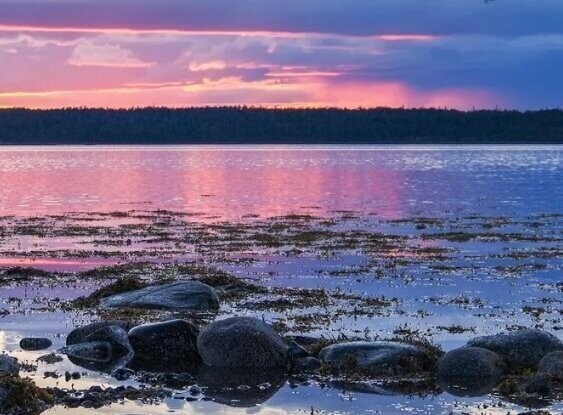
282	53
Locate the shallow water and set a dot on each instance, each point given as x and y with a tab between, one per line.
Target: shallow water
517	189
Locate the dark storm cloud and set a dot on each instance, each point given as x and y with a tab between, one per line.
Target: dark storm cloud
356	17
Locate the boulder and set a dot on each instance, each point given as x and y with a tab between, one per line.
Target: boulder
81	334
34	344
9	364
167	346
380	358
473	371
104	350
241	342
520	349
184	296
552	365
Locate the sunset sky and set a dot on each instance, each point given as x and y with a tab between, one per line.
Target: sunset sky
282	53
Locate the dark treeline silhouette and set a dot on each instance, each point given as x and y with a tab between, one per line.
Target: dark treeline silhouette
233	125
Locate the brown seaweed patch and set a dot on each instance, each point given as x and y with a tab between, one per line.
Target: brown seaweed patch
22	396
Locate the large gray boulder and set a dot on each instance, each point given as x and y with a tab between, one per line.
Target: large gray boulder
167	346
185	296
520	349
380	358
9	364
241	342
472	370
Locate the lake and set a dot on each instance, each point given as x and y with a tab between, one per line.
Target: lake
453	241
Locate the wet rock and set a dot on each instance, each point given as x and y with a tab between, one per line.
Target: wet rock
240	387
168	346
33	344
82	334
520	349
470	371
122	374
104	350
241	342
551	365
72	376
9	364
377	358
185	295
306	365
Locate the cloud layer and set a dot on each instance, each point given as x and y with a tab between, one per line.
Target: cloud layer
453	53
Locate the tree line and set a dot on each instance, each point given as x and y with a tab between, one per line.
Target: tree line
248	125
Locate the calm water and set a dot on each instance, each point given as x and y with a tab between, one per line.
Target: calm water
379	183
225	181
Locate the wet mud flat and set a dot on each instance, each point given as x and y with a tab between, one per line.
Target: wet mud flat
319	279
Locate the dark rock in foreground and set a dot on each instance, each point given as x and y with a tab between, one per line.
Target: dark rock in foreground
520	349
185	295
104	350
241	342
470	371
9	364
34	344
377	358
82	334
169	346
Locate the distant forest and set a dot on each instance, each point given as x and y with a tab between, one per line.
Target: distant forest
244	125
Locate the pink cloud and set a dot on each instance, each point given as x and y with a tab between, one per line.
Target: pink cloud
111	56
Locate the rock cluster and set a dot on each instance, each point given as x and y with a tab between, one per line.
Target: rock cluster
235	355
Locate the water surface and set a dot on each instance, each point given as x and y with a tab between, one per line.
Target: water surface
507	274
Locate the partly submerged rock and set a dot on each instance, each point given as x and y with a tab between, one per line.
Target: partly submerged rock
380	358
34	344
241	342
470	371
82	334
104	350
185	295
520	349
9	364
168	346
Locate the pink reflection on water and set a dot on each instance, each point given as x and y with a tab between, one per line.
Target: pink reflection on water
56	264
222	182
